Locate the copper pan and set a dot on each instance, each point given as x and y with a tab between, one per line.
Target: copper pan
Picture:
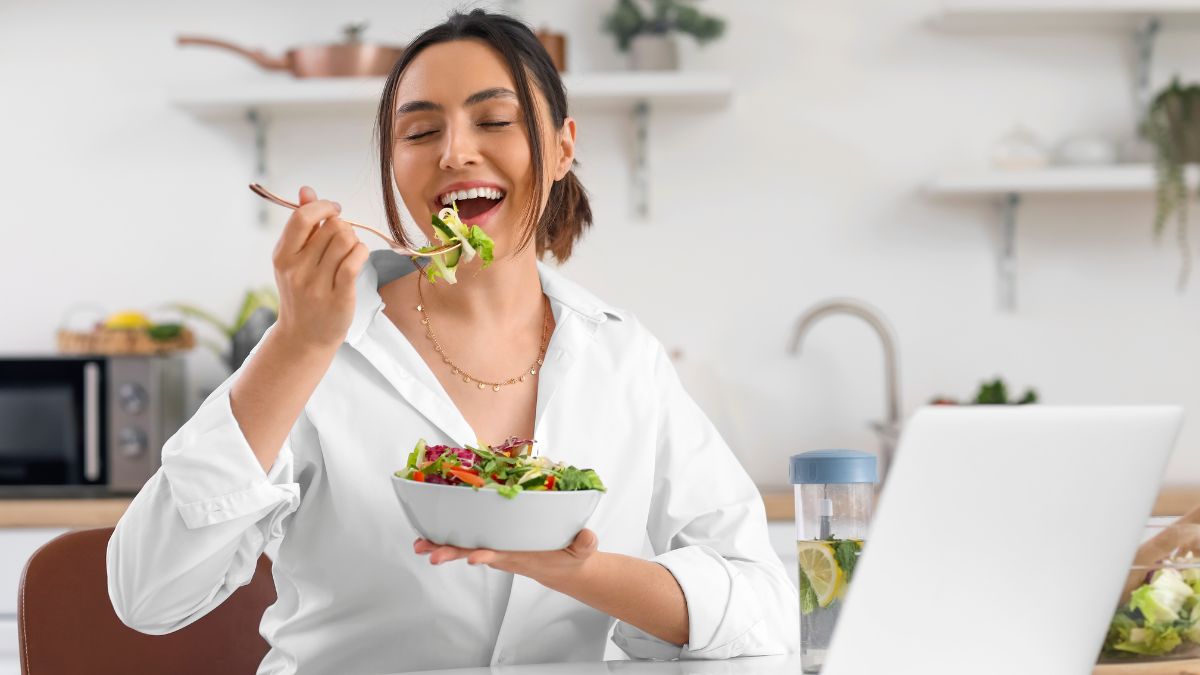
350	58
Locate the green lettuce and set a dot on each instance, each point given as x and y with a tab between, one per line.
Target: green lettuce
1153	639
1159	617
1163	598
449	228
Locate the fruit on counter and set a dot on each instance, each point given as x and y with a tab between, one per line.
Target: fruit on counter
164	331
128	321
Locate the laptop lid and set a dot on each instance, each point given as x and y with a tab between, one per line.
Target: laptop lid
1002	539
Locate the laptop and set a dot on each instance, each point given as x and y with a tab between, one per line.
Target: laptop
1002	540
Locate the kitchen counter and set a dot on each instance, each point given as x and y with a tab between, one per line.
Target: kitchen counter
1173	500
74	513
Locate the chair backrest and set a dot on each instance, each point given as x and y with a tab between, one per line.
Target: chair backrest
66	623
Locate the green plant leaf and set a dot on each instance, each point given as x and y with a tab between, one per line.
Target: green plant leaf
197	313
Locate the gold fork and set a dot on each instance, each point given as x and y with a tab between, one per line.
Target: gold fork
272	197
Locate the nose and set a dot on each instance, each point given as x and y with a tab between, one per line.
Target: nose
459	150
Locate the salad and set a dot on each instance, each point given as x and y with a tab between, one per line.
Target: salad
1162	616
509	468
450	228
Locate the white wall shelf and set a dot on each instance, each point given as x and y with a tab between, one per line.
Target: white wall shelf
1058	15
1141	20
585	91
638	92
1050	180
1010	187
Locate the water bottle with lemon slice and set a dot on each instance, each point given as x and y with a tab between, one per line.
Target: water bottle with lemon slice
834	495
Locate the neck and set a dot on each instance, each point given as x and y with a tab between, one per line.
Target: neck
508	292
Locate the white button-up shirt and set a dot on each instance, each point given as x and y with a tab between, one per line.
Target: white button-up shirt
352	595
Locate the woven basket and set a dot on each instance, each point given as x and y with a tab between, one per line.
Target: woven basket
123	341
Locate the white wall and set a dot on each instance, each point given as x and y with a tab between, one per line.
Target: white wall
842	111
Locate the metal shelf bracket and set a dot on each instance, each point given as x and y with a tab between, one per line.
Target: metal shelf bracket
1006	262
1144	39
258	122
641	161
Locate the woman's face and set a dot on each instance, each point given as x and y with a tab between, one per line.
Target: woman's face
459	128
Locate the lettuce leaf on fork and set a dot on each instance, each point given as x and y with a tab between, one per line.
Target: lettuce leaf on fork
449	228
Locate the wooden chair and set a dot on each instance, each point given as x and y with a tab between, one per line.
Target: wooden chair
66	623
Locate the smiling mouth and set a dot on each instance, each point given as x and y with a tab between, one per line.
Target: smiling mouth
469	209
474	202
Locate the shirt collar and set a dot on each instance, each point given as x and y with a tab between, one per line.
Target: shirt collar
384	266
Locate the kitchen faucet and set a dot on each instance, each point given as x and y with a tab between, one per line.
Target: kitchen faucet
888	430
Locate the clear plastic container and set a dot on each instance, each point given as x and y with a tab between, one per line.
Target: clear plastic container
835	492
1157	618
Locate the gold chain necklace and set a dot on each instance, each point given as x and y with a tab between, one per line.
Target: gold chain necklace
531	371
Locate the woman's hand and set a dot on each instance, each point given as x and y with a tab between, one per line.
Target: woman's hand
640	592
549	568
317	259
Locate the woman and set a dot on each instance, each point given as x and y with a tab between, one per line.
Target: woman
296	449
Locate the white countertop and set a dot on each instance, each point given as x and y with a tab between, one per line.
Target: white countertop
761	665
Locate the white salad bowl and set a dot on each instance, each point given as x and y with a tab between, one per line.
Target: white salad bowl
462	516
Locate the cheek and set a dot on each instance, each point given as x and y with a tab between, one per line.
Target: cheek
512	157
409	174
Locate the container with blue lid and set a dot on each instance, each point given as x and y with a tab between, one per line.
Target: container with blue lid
835	492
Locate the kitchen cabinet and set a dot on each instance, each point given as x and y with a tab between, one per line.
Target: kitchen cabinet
10	660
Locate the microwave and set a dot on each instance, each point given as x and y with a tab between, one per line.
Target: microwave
86	425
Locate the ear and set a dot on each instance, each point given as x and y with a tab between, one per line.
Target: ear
566	149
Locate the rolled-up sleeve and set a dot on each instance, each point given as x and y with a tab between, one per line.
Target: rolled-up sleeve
708	527
215	476
194	532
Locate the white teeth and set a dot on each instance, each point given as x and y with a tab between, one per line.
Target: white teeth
460	195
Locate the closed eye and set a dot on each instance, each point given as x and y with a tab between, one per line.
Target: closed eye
494	124
419	136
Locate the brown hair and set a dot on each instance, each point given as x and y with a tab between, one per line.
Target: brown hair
567	212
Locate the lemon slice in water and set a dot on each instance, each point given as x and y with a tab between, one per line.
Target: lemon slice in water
821	567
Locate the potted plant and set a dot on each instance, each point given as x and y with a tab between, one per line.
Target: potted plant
260	308
994	392
647	33
1172	125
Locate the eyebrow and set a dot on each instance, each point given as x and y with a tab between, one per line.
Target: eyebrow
473	99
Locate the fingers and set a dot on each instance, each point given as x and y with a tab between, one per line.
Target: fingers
351	265
585	544
439	554
304	221
307	195
339	242
444	554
